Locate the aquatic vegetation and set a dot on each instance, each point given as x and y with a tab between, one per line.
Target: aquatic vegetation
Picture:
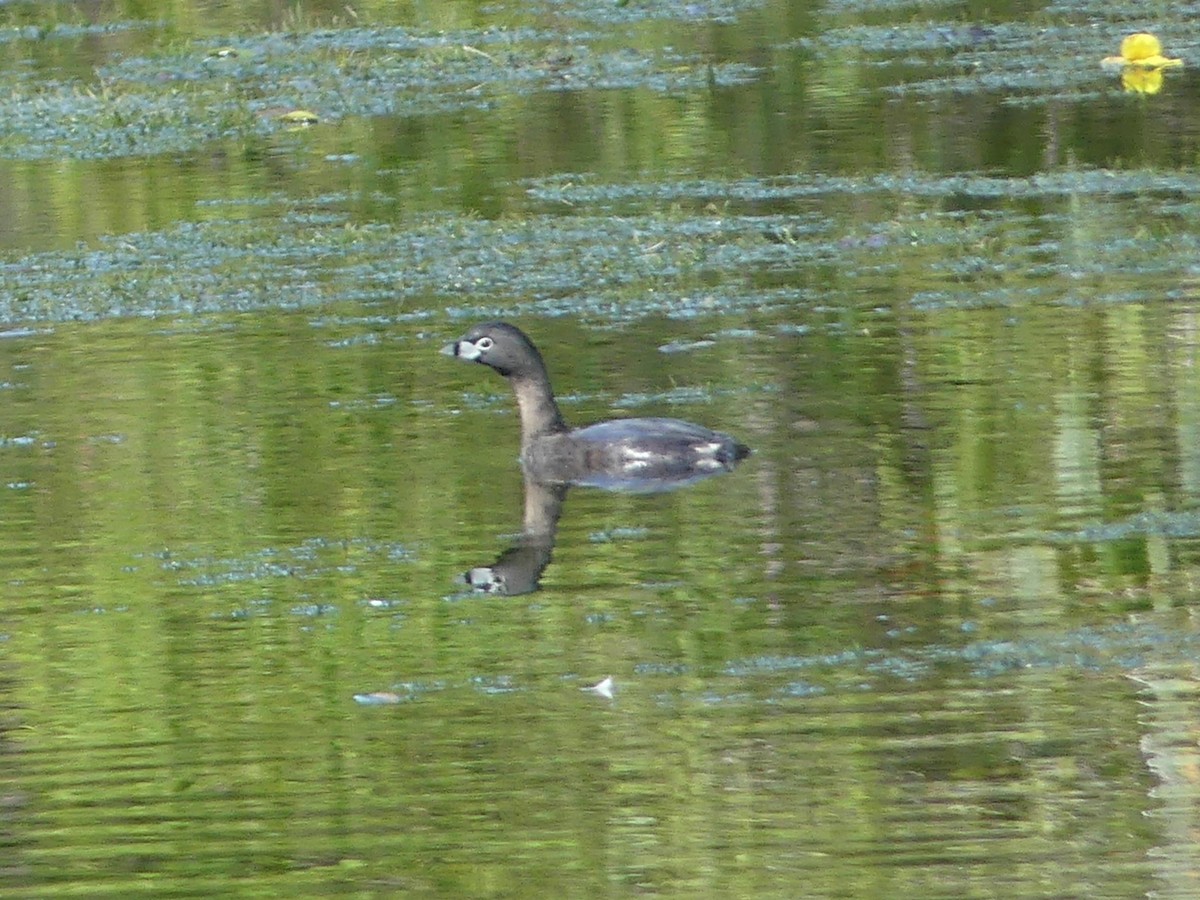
310	559
840	255
1029	62
564	265
405	692
859	7
1172	525
180	99
1062	183
679	396
70	30
613	12
1087	649
619	256
619	533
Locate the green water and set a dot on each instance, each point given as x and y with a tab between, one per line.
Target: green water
935	638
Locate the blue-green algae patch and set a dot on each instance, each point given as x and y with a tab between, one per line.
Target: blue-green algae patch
750	247
182	98
601	265
1181	524
313	558
1100	649
786	679
70	31
576	190
933	52
623	12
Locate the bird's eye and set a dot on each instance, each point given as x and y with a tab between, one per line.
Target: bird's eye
484	343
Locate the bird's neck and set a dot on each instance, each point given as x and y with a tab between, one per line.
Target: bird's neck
538	410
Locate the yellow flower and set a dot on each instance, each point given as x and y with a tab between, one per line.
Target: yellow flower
1143	51
1137	80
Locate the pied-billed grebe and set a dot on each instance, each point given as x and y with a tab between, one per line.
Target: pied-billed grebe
637	454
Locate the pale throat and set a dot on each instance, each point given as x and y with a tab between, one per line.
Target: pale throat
539	413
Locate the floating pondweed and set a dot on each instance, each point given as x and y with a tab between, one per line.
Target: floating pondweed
184	98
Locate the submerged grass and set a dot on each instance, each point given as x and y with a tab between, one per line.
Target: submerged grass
1053	56
178	100
180	97
612	12
767	245
609	250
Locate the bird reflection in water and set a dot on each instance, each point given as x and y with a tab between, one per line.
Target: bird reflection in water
518	570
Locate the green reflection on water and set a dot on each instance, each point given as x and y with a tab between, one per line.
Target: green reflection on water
200	593
933	639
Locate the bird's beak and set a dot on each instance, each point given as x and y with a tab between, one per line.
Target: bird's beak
463	350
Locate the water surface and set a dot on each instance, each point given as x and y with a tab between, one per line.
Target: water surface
935	638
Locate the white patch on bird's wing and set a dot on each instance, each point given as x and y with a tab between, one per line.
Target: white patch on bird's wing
706	456
634	460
